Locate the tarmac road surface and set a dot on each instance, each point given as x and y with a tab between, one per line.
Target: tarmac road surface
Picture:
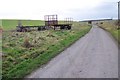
93	56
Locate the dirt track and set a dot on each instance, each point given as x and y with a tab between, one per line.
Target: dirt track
93	56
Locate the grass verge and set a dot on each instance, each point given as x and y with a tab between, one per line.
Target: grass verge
111	28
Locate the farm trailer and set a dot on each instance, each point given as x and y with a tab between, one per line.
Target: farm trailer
51	21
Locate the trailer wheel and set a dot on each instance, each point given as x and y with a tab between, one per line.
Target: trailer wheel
24	30
62	27
68	27
39	28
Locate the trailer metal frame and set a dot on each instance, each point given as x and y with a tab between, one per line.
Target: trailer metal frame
51	21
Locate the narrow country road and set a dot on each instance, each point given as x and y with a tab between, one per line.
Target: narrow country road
93	56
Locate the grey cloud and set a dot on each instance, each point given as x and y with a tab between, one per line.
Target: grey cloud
104	10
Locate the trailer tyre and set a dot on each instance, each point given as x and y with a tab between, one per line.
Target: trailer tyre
68	27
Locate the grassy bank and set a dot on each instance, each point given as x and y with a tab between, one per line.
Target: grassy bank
29	50
112	28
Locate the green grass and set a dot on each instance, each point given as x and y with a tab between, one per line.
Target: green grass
115	34
0	57
8	24
11	24
0	23
44	46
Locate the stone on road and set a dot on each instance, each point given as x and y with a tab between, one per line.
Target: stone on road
93	56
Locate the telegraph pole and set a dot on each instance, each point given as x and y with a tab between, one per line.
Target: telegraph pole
119	13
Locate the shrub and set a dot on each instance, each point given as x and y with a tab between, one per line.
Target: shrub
26	43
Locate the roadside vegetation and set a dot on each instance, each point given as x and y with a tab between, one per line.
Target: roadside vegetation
112	27
0	49
0	55
24	52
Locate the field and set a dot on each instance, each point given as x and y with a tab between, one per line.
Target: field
112	28
11	24
29	50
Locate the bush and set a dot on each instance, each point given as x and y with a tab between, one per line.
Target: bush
26	43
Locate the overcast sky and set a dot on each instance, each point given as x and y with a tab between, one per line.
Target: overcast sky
76	9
